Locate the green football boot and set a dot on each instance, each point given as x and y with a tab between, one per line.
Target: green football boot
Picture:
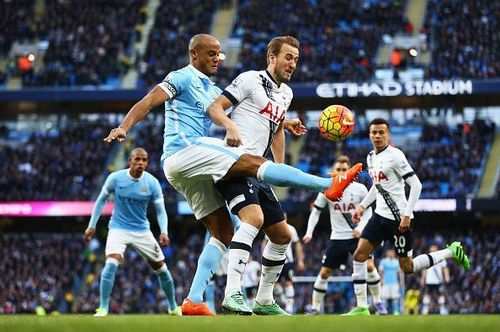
272	309
235	304
358	311
459	254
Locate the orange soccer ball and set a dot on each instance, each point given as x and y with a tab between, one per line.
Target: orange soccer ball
336	123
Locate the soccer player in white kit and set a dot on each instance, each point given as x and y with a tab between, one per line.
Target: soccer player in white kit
432	281
260	100
343	238
133	188
389	171
193	162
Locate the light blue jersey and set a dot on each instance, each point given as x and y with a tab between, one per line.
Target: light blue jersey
391	271
190	92
131	199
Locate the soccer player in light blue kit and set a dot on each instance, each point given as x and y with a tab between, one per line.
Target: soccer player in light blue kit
391	279
193	162
133	188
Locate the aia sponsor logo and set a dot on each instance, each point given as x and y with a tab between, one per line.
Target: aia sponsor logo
343	207
377	176
274	113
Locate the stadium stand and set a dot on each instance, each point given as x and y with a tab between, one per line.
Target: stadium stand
448	160
338	39
61	164
15	23
176	22
88	42
462	38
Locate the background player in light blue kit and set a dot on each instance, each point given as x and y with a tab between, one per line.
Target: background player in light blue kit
133	188
392	279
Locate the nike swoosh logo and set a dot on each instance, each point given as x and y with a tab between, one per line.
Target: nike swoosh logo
342	177
345	122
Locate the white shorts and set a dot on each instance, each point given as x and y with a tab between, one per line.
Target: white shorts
194	170
143	242
390	292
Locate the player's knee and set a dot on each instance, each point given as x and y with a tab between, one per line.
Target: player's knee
360	256
156	265
248	165
407	268
324	273
281	238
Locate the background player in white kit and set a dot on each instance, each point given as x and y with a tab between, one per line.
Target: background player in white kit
343	238
260	100
432	281
133	188
389	171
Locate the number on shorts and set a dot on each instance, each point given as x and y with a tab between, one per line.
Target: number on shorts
399	242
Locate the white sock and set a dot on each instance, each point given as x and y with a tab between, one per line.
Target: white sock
290	298
359	280
427	260
426	301
273	260
373	281
442	305
239	250
319	292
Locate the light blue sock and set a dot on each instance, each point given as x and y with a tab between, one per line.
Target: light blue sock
282	175
395	306
167	285
210	295
107	281
207	264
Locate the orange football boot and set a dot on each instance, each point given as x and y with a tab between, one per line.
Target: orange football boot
339	183
189	308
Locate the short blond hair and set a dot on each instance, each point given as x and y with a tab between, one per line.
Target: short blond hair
343	159
274	46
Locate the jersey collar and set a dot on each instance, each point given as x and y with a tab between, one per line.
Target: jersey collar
132	178
272	78
200	74
382	150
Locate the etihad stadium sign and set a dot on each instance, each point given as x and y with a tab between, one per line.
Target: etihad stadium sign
393	89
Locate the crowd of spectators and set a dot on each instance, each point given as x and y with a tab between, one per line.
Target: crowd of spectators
448	160
339	39
62	164
59	273
176	22
15	23
463	37
39	270
89	41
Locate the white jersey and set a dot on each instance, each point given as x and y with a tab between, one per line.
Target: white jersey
341	212
388	169
250	276
434	274
259	106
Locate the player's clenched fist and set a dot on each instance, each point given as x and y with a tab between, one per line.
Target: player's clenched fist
116	133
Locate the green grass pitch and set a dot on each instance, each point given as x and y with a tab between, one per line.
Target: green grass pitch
327	323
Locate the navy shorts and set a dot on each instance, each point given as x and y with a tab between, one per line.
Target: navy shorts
337	252
288	272
241	192
380	229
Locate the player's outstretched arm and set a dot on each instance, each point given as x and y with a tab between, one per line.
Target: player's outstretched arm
278	144
153	99
216	113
